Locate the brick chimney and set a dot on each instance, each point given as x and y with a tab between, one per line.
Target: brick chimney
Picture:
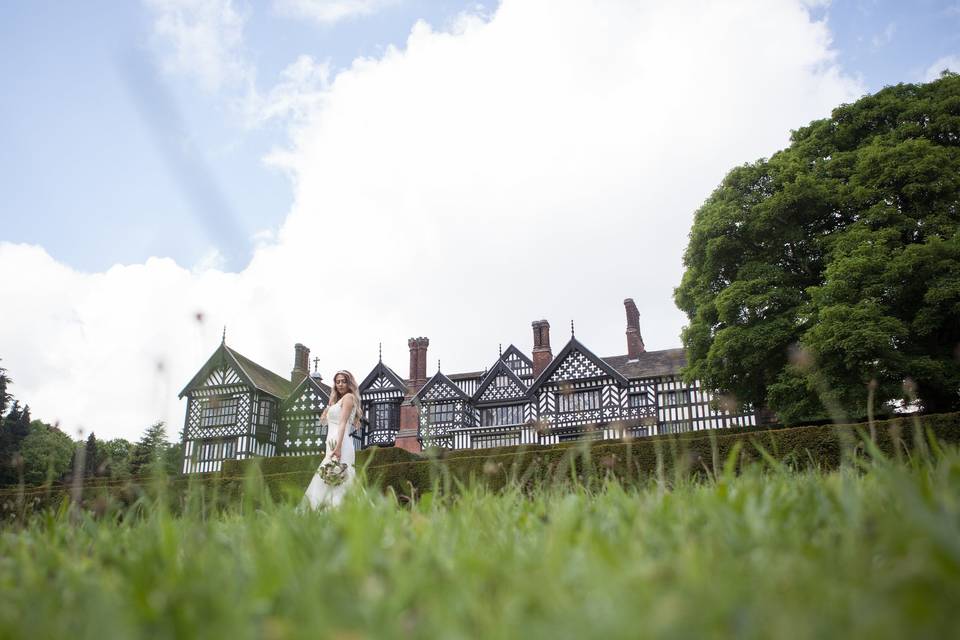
412	343
409	413
418	361
542	356
634	339
301	363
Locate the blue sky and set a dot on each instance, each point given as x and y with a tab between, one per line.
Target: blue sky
345	173
86	173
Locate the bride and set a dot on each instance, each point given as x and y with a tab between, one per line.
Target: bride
342	411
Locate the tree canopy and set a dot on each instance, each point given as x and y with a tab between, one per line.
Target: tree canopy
831	271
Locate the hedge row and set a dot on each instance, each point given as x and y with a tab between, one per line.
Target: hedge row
663	457
629	461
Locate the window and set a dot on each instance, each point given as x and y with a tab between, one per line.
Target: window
265	412
673	398
578	401
219	412
499	416
385	416
516	365
680	426
441	412
217	450
641	400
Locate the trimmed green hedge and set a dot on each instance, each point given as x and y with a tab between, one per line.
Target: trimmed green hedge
667	458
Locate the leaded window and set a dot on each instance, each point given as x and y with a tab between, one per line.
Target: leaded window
640	400
217	450
386	416
674	398
500	416
265	412
678	426
441	412
578	401
219	412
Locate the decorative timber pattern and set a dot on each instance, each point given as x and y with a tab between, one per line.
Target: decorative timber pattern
500	384
301	433
576	366
238	409
381	393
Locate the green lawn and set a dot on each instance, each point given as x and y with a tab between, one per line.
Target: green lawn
870	551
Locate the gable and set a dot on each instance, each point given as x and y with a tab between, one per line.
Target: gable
220	370
576	366
440	387
382	378
501	383
576	362
381	383
518	362
223	376
503	387
308	397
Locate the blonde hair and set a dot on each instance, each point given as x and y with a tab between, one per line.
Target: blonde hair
352	388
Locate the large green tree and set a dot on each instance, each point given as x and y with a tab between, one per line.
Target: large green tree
831	271
149	454
47	453
113	457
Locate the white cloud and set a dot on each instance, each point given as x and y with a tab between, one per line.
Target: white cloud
885	37
543	164
202	38
330	11
933	72
299	93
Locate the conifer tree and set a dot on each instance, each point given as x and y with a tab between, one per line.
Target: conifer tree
5	397
150	450
91	459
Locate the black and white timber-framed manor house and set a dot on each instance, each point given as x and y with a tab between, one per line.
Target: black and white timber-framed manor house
238	409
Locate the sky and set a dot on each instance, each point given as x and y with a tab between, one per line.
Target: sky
346	173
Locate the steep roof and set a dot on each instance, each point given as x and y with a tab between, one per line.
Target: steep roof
252	373
466	376
512	350
261	377
439	379
389	374
649	364
575	345
308	382
501	367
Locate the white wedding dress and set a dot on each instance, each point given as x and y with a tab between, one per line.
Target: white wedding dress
319	493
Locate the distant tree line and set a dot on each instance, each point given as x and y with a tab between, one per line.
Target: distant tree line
33	452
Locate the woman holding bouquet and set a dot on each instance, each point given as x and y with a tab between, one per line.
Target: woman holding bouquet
336	472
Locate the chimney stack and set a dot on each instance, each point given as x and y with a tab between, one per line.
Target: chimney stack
301	363
542	356
418	361
634	339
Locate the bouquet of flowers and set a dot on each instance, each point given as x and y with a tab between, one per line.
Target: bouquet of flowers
334	472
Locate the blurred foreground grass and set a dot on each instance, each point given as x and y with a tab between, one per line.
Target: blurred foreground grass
871	550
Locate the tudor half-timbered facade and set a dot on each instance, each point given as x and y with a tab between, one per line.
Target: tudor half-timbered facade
238	409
